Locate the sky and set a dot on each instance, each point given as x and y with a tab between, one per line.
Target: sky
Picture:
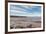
25	10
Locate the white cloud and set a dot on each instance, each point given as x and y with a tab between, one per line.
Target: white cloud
20	11
18	8
27	6
24	6
17	12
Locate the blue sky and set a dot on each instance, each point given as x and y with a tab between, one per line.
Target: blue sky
25	10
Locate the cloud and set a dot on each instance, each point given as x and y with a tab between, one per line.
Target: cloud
18	8
27	6
28	15
25	10
17	12
20	11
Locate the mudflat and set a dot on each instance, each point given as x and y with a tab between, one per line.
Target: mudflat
25	22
